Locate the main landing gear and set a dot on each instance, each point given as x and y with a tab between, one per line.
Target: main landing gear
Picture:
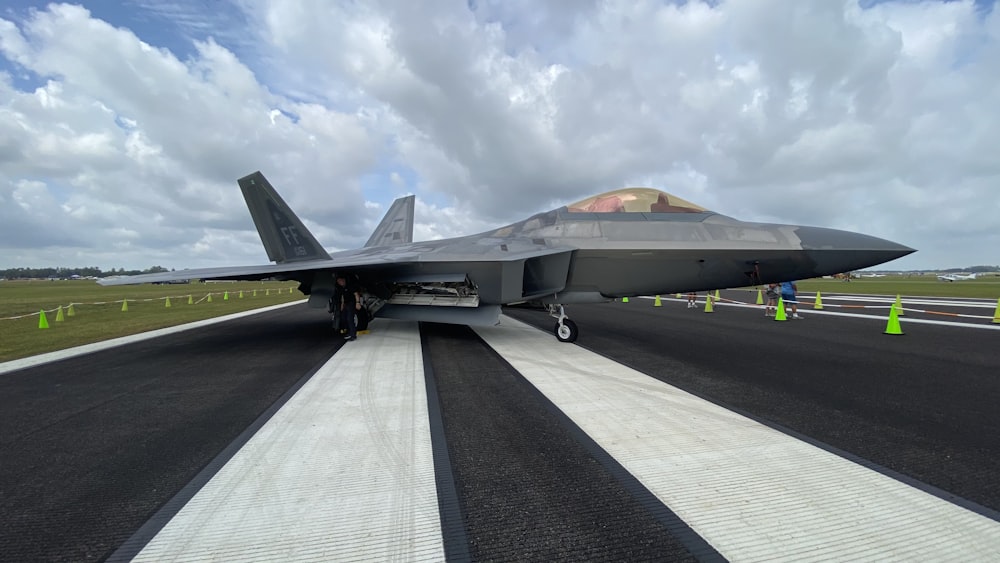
565	329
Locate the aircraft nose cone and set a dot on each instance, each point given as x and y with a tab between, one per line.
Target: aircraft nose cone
842	251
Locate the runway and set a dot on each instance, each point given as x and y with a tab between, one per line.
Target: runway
522	465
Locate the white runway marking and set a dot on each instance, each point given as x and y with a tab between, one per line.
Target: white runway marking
342	472
752	492
40	359
806	310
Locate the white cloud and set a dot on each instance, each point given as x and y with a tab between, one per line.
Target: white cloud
880	120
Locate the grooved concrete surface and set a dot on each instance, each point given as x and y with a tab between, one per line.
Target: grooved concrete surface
923	404
752	492
343	472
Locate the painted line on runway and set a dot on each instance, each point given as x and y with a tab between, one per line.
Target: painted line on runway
805	311
31	361
128	550
344	471
749	490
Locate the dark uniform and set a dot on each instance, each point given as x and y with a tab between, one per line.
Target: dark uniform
346	296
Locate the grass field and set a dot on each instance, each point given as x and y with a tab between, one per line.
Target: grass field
924	286
94	322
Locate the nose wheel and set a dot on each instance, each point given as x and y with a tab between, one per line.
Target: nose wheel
565	329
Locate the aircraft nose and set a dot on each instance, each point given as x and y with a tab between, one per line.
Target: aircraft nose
841	251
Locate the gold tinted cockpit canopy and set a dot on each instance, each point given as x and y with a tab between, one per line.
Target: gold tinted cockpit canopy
635	200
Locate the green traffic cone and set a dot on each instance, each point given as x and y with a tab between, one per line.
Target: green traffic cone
899	305
42	321
760	297
167	304
70	312
819	302
892	327
59	315
124	305
780	315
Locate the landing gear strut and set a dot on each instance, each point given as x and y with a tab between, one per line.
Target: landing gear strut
565	329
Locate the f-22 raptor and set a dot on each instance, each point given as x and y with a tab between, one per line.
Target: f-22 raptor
623	243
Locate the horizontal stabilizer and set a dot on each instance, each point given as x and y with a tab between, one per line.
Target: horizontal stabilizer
397	225
284	236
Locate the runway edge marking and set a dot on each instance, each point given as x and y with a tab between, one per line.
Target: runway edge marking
48	357
128	550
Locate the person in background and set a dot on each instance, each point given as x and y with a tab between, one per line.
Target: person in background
772	300
788	291
692	300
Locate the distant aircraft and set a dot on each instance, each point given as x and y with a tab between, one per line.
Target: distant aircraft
623	243
956	277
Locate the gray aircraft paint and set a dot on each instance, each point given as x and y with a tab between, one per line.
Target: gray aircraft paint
397	225
561	256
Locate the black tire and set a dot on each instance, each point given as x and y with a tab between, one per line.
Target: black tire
567	331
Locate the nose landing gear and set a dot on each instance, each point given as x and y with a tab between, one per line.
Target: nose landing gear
565	329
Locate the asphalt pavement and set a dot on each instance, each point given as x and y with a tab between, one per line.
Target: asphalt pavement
92	447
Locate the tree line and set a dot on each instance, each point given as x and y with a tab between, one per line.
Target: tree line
60	272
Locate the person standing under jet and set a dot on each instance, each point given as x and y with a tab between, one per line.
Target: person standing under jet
350	302
788	291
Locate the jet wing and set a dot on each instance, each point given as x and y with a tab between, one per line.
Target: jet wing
372	260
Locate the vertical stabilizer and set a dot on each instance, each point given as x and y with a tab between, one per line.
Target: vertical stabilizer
284	236
397	225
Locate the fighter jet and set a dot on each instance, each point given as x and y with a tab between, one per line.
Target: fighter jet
623	243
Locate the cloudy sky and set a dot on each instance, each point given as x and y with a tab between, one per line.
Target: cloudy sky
125	124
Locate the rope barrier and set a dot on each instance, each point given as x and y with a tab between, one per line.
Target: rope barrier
828	305
118	302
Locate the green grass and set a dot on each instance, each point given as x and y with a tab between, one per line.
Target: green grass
92	323
923	286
